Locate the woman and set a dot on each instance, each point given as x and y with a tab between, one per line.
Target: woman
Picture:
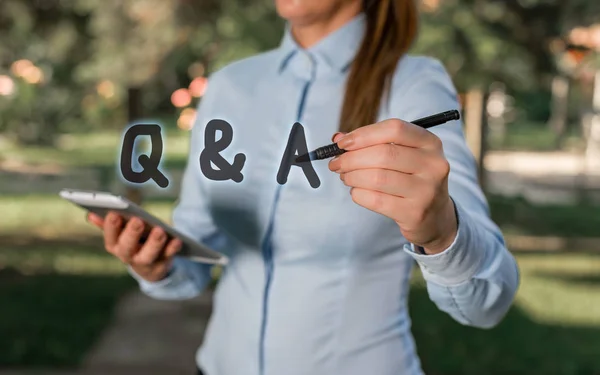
318	278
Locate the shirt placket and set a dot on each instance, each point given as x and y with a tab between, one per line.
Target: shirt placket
302	66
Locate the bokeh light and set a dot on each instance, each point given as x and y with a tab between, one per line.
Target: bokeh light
198	86
106	89
595	37
20	66
186	119
7	85
33	75
587	37
496	107
579	36
181	98
430	5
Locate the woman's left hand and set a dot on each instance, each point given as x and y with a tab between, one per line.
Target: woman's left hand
398	169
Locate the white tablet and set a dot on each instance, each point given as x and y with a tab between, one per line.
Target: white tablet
101	203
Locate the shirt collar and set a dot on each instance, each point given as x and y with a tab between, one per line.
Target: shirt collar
337	49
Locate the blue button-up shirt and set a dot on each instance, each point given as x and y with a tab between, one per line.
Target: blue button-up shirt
317	284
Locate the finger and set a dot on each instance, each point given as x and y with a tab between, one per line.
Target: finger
383	156
95	220
389	131
337	136
152	248
173	247
385	181
129	240
385	204
112	226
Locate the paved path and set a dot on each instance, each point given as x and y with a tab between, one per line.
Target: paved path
147	337
151	337
549	177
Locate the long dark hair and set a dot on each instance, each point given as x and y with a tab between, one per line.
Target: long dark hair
391	28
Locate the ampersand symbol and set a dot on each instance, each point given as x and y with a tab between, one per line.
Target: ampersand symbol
212	147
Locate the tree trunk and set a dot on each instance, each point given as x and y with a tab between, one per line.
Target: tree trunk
559	110
134	113
593	133
590	124
475	129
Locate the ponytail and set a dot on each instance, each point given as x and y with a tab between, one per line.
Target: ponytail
391	27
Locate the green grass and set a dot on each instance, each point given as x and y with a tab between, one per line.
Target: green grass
553	328
517	216
50	216
58	290
92	150
55	301
528	136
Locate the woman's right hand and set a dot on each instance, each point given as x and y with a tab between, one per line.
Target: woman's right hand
151	259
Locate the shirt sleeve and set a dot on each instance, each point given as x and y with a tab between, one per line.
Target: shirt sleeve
476	278
191	216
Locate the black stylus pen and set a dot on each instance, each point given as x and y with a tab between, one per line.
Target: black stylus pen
332	150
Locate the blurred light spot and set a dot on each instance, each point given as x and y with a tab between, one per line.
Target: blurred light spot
181	98
18	67
196	70
587	37
595	37
579	36
430	5
186	119
7	86
189	112
198	86
106	89
496	107
33	75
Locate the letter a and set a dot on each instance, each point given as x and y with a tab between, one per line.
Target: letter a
297	142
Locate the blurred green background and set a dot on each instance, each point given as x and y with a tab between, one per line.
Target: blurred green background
74	73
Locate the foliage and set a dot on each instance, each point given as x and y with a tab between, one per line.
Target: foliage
51	35
470	51
92	51
513	41
216	33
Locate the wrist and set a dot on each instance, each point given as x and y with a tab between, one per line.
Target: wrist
153	275
448	230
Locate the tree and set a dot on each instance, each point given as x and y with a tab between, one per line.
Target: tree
491	36
517	42
40	43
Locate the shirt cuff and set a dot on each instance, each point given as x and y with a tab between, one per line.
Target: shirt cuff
459	262
174	276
